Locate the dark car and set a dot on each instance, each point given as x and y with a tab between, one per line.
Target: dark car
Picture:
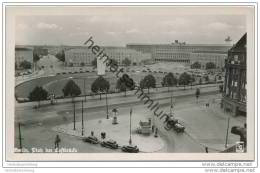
179	128
130	149
109	144
91	139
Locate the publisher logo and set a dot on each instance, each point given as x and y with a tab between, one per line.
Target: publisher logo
240	147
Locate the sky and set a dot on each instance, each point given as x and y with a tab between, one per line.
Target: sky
119	27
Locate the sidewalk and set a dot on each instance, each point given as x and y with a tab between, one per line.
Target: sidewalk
159	94
118	132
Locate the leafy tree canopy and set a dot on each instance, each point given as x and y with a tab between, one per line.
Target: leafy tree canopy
25	64
38	94
210	65
184	79
61	55
196	65
71	89
148	82
169	80
126	62
100	85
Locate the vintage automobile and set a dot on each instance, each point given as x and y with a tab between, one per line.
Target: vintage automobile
130	149
178	127
91	139
172	122
144	127
109	144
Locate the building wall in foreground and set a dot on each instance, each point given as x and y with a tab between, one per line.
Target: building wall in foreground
235	84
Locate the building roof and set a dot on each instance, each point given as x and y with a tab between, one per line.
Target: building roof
106	50
209	51
179	44
241	44
23	48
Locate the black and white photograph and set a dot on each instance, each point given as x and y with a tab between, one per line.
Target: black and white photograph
127	81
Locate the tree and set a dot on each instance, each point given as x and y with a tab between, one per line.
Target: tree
71	89
210	65
195	65
35	57
122	84
197	94
184	79
126	62
94	63
61	55
200	81
206	78
38	94
220	88
148	82
169	80
82	64
100	85
25	64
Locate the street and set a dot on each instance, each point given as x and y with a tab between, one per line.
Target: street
38	123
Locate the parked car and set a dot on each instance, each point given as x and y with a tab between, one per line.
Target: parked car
130	149
91	139
109	144
178	128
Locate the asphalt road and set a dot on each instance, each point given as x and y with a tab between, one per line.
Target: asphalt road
37	123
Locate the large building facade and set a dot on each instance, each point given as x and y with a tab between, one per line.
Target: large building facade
184	53
203	57
234	91
80	56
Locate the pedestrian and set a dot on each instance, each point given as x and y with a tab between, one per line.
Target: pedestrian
156	132
206	148
57	141
152	128
92	133
166	119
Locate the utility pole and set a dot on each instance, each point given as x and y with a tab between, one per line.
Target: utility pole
82	122
107	105
74	116
171	107
20	138
227	132
85	90
130	140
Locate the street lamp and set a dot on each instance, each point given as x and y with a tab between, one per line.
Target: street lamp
107	105
74	117
82	120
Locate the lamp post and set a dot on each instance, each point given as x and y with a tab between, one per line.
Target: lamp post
20	138
74	117
82	120
130	139
107	105
227	132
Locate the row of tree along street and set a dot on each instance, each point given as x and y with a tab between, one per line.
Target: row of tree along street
101	86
